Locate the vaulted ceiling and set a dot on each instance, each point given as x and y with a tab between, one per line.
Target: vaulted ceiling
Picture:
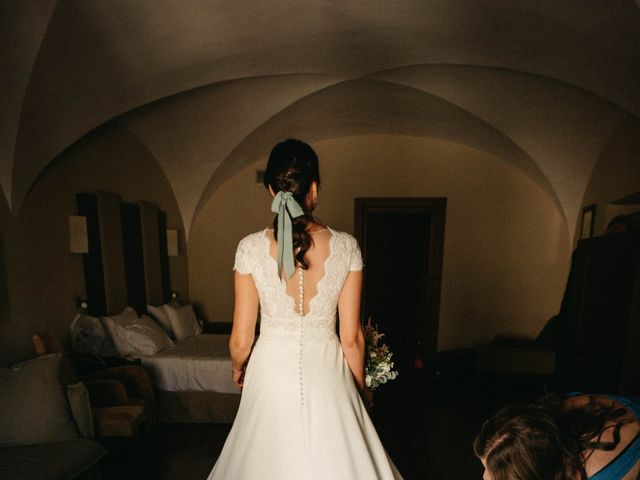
208	86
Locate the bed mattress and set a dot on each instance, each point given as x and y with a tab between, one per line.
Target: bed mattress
199	363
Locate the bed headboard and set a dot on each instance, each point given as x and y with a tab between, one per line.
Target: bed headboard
127	263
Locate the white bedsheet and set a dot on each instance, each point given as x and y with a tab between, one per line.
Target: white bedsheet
199	363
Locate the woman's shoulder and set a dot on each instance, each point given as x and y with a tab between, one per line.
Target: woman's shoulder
346	246
582	400
618	431
252	239
343	236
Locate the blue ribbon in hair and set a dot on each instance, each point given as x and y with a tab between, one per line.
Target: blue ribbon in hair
287	208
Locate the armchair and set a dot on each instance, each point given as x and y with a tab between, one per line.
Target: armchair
121	397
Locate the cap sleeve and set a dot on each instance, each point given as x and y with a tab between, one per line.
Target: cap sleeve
355	264
244	260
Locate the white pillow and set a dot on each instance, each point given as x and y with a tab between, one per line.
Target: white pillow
161	316
145	337
183	321
118	335
78	397
135	335
127	316
88	335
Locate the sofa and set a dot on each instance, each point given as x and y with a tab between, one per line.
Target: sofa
46	426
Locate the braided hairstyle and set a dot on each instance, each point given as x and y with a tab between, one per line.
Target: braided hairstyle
293	167
545	440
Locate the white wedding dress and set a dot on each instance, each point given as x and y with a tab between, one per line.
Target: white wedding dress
300	414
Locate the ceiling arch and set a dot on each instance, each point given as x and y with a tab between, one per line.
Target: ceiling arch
81	63
16	62
371	106
190	134
200	137
562	127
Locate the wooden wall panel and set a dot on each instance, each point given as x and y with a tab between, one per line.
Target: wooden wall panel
92	261
151	252
133	256
110	224
105	282
127	263
164	257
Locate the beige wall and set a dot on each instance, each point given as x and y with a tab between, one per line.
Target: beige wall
616	174
506	253
5	219
39	278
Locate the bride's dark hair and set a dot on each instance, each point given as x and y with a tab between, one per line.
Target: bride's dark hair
293	167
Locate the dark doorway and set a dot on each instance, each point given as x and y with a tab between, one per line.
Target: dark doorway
402	244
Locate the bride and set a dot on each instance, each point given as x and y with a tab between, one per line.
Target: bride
302	412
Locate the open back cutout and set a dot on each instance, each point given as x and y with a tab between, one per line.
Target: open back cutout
316	258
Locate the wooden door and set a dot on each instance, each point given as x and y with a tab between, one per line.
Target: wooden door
402	244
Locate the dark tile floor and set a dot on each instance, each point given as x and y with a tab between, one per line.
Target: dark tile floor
170	451
427	423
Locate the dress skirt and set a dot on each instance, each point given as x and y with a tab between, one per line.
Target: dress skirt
301	417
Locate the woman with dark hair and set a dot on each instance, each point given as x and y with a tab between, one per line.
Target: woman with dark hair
302	412
563	438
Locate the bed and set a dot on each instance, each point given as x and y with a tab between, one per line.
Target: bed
127	274
193	380
191	372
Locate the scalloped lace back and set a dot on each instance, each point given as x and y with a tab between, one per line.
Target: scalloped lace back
330	259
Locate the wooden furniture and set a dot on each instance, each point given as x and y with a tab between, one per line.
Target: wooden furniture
593	344
512	370
220	328
600	315
513	360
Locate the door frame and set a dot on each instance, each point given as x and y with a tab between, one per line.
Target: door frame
436	207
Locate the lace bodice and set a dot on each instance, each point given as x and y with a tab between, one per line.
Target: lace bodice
277	307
